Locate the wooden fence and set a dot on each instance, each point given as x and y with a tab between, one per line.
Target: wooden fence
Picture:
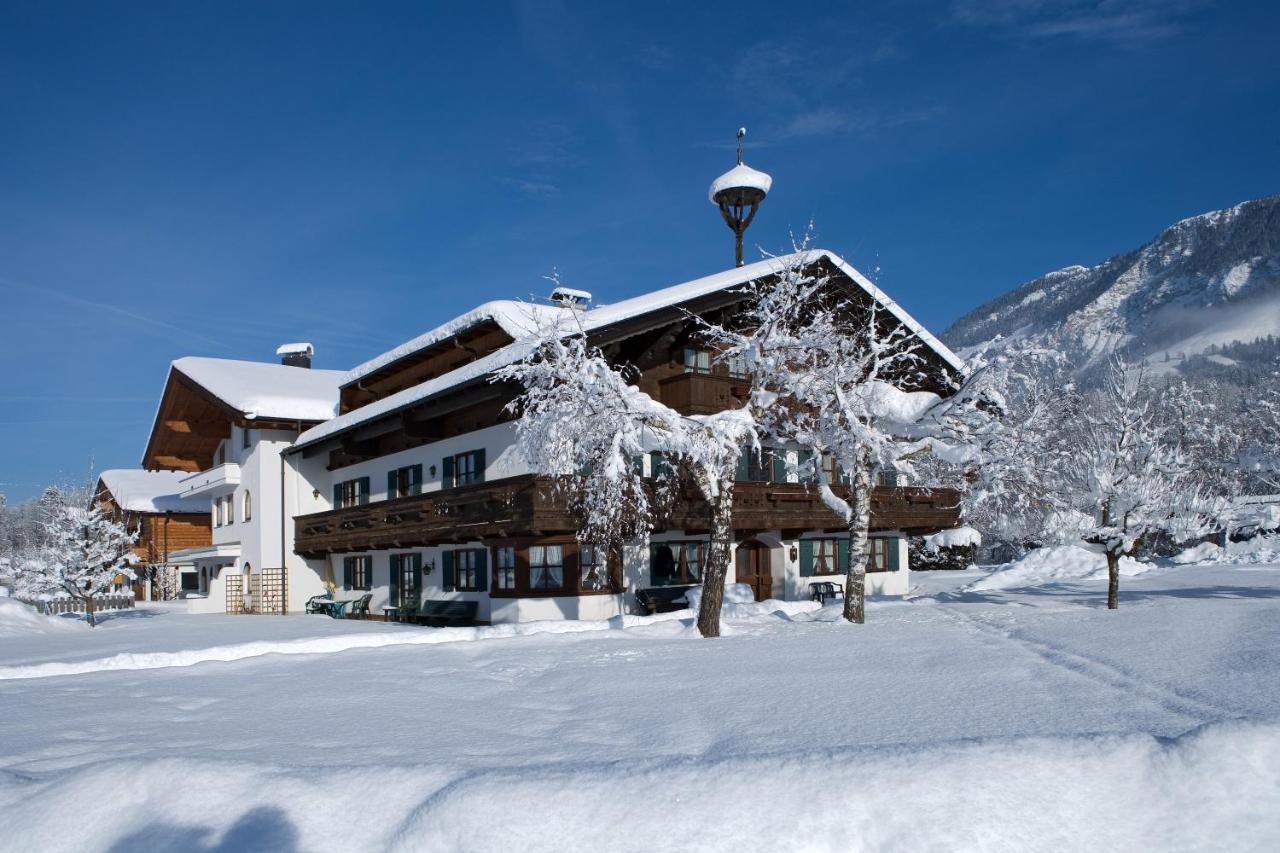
115	601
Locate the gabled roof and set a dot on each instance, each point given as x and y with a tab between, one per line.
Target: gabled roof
515	318
525	316
136	490
265	390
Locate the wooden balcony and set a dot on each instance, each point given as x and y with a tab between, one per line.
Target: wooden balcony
525	506
702	393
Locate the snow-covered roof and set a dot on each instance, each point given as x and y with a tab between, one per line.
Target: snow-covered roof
740	175
136	490
598	318
515	318
266	390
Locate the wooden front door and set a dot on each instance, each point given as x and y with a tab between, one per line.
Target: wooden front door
753	569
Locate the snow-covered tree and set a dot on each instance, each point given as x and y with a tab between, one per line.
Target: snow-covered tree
1127	478
77	550
838	378
584	424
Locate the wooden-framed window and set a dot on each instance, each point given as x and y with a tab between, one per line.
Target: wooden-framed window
675	563
465	570
546	567
403	482
463	468
888	478
357	572
406	578
696	360
737	366
348	493
504	568
766	466
593	568
829	556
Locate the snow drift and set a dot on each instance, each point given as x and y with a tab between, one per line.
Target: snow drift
1057	564
1217	787
17	619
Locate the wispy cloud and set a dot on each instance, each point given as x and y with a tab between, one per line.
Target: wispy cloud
1114	21
545	189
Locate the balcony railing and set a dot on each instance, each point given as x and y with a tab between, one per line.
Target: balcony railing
527	506
219	478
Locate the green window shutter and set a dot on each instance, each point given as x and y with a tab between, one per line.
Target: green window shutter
393	567
417	574
392	482
482	570
446	562
337	495
446	473
779	465
893	553
362	489
844	549
479	456
802	459
347	579
806	558
415	480
743	471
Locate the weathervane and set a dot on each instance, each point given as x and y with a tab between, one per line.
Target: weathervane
738	193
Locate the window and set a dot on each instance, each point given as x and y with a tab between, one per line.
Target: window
403	482
221	458
190	582
247	514
351	493
737	367
831	469
504	568
672	563
888	478
592	568
546	567
883	556
357	572
231	508
831	556
462	469
406	578
217	512
761	467
696	361
466	570
246	436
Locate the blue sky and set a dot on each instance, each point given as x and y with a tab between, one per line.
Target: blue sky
214	179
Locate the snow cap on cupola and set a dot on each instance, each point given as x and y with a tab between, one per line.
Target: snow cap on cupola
738	193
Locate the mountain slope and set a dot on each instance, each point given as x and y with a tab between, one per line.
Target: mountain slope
1202	283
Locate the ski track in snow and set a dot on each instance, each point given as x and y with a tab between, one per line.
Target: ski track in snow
1098	671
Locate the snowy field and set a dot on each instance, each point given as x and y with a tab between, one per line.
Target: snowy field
981	714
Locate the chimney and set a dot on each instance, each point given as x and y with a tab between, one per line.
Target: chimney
295	355
567	297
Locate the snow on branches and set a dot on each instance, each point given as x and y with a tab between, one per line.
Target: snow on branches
78	550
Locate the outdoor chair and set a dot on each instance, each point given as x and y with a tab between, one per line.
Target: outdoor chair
319	603
820	591
360	607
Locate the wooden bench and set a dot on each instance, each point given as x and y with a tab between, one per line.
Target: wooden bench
453	612
663	599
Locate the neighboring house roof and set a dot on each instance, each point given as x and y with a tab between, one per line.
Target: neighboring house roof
264	390
136	490
591	320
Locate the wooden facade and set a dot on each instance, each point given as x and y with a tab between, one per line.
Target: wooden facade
528	507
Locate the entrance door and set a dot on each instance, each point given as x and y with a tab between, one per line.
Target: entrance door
753	568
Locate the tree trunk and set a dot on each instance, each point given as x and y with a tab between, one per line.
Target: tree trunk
88	611
713	573
1113	580
855	579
